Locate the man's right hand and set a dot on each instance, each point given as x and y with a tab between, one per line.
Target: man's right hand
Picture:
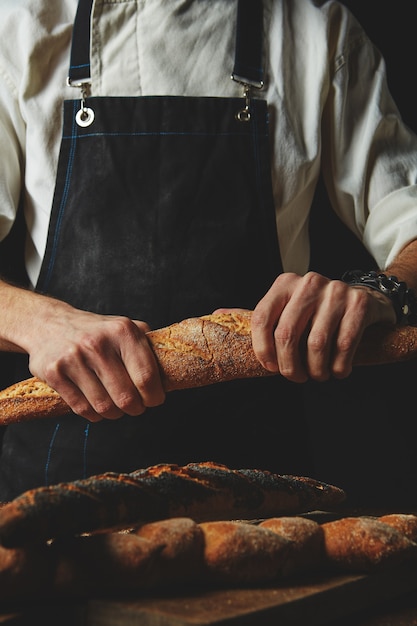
101	365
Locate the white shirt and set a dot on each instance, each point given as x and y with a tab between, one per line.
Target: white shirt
326	88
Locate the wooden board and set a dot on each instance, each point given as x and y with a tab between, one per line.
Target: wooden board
314	602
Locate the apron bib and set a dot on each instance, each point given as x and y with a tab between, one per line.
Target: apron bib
163	210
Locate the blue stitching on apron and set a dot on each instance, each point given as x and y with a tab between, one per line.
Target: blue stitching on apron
156	134
51	445
63	199
77	67
86	433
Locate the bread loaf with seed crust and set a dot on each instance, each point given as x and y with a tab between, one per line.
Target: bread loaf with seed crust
202	491
203	351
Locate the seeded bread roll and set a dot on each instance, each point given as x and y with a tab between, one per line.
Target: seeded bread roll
203	351
202	491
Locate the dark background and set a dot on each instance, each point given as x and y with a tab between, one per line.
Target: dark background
364	428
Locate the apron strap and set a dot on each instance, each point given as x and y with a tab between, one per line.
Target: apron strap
79	70
248	53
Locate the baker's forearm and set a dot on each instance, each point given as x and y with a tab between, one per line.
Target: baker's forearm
24	314
404	266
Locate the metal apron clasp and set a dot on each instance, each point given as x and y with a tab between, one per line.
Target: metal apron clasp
244	115
85	115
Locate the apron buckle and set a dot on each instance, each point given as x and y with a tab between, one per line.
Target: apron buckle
244	114
85	115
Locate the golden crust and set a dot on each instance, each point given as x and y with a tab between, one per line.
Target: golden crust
383	344
206	350
404	522
306	538
238	553
360	544
201	351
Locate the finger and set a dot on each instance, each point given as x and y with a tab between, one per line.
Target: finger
142	326
126	368
122	388
351	328
262	330
290	346
75	399
144	371
264	322
113	393
321	344
294	327
146	379
97	391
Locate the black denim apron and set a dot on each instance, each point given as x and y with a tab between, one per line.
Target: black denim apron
163	210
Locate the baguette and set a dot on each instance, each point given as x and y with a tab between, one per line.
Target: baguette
179	543
363	544
241	554
25	573
406	523
306	550
178	552
30	399
203	351
202	491
195	352
97	564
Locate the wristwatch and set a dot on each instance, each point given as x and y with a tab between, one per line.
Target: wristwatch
402	297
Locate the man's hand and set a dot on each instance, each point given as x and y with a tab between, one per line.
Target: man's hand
309	327
102	366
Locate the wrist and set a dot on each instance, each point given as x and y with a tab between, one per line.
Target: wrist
19	326
403	298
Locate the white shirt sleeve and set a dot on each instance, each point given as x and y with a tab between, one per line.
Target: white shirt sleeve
369	158
12	142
